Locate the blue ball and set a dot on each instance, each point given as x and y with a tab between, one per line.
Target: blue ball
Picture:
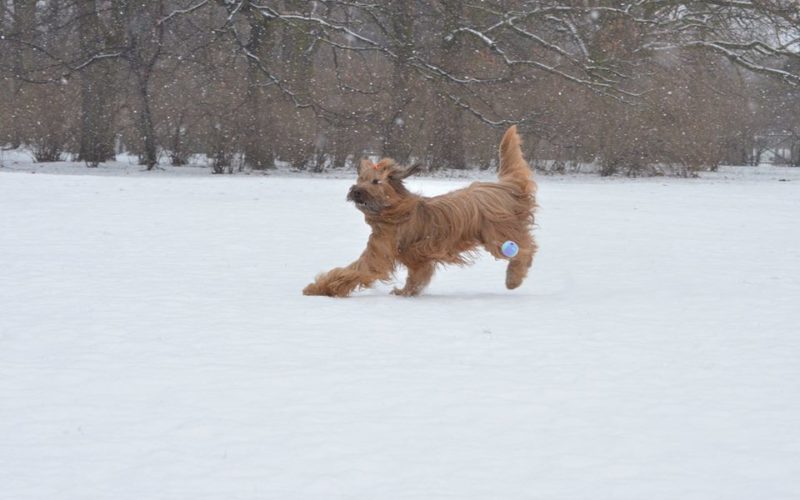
509	249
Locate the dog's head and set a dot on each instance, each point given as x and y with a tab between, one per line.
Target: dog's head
380	185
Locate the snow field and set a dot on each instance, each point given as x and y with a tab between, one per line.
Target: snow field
154	344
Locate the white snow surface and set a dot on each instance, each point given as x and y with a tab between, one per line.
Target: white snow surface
154	344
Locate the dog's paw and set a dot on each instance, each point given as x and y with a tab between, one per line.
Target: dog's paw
325	290
402	292
313	289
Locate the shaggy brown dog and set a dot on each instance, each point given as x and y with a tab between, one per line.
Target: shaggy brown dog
420	232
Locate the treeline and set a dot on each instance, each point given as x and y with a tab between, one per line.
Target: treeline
633	87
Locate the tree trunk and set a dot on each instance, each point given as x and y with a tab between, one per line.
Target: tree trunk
22	28
447	134
146	127
145	39
298	53
6	86
396	143
97	91
259	151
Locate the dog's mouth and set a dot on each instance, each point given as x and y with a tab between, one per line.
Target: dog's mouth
366	207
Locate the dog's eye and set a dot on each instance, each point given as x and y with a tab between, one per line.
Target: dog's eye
376	181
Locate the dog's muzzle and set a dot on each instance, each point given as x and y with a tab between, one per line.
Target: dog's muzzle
356	194
361	199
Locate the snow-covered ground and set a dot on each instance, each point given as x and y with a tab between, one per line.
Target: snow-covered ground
154	344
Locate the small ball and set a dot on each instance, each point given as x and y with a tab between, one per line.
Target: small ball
509	249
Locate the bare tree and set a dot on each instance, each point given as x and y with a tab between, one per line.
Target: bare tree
143	47
98	84
259	149
758	35
446	142
635	86
22	30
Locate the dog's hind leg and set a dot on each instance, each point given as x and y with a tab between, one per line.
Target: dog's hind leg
419	275
520	263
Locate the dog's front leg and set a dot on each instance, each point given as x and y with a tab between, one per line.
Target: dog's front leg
340	282
376	263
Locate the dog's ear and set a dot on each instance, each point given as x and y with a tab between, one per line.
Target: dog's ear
365	165
407	172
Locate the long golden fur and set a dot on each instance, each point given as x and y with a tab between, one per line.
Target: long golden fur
421	233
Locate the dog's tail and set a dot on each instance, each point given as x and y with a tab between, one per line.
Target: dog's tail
513	167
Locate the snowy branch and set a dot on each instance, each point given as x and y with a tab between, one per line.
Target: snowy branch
179	12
